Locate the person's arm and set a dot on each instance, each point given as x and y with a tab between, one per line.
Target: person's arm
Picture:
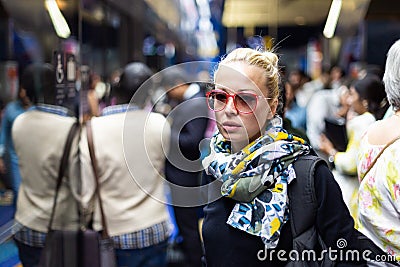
3	168
93	102
335	224
316	112
345	162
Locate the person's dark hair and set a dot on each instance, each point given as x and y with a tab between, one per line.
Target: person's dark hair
371	88
339	68
326	79
133	76
173	77
348	81
38	80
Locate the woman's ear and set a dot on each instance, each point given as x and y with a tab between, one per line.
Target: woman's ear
273	106
365	104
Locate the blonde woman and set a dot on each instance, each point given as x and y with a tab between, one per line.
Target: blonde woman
252	158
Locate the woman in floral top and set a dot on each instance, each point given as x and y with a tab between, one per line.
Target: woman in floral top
379	193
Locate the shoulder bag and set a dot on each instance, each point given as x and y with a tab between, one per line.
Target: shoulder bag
82	247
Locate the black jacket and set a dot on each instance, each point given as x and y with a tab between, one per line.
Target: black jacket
188	124
227	246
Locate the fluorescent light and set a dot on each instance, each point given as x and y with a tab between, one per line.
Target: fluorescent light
332	19
57	18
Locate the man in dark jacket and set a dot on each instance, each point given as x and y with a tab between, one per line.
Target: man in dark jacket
189	119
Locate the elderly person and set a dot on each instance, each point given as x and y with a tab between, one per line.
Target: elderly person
379	168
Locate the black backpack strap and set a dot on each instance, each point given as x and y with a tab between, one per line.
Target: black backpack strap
303	202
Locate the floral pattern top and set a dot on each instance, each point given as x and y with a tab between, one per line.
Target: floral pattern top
346	162
379	195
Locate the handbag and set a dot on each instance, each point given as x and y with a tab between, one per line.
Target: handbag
335	131
82	247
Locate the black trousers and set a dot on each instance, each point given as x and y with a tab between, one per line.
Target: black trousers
29	256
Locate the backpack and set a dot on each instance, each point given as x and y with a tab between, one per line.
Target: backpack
303	211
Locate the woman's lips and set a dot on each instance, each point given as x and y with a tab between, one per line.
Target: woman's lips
231	126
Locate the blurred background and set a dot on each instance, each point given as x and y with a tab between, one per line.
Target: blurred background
102	36
106	34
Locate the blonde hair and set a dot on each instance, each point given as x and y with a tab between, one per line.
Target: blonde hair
266	60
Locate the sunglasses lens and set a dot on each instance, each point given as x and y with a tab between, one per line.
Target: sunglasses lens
245	102
221	97
216	100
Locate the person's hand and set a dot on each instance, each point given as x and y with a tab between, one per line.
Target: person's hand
326	145
351	114
344	102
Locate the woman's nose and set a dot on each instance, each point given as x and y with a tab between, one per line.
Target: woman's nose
230	106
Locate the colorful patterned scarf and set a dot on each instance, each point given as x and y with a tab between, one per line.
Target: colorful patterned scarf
257	177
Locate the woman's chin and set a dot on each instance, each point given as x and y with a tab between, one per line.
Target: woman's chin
236	140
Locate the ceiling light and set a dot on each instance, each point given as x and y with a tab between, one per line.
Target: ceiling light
57	18
332	19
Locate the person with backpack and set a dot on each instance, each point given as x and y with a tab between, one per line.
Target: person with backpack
271	201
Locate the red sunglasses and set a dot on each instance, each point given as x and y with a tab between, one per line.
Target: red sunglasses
244	102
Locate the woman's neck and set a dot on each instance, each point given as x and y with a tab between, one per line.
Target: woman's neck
236	147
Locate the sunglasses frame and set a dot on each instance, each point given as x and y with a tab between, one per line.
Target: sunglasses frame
233	96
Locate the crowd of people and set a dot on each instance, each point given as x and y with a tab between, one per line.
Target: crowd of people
268	178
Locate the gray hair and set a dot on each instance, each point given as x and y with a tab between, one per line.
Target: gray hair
391	78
